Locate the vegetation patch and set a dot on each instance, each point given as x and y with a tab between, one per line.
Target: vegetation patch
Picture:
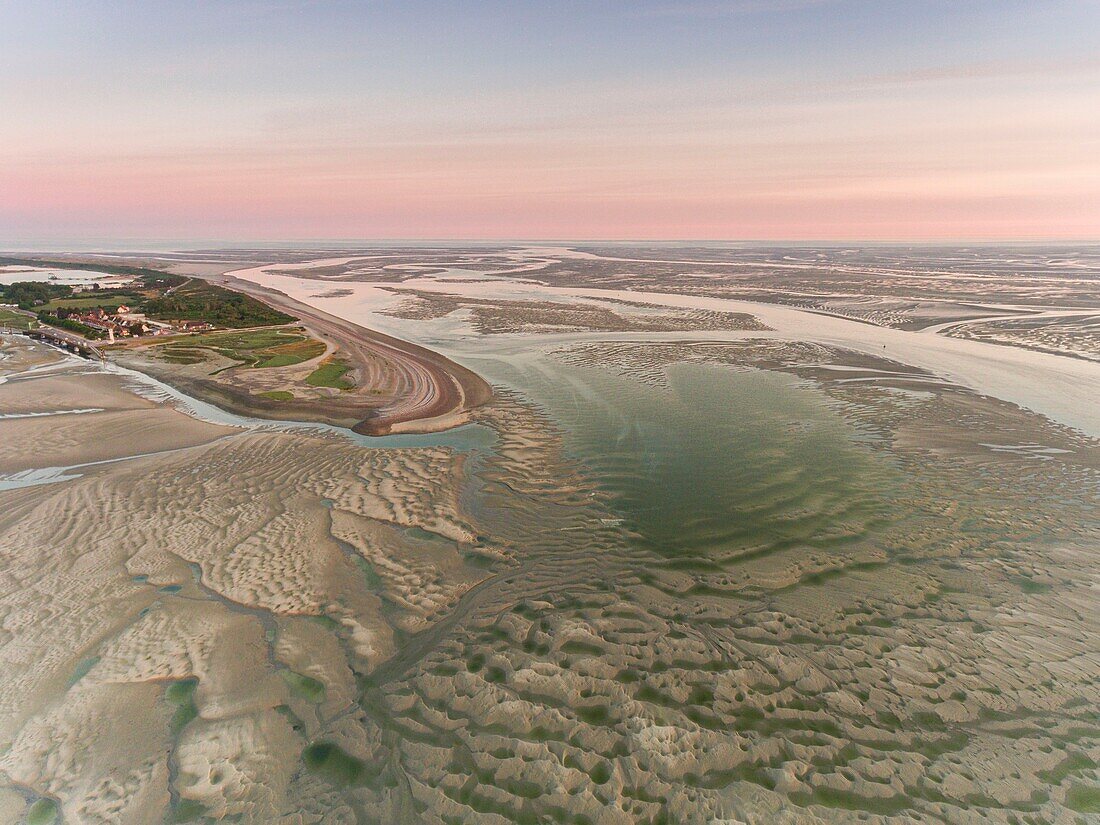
374	581
601	772
197	300
15	320
1071	764
1083	799
184	355
834	798
332	762
182	695
188	810
594	715
255	349
330	374
308	688
580	648
278	395
82	668
42	812
1030	586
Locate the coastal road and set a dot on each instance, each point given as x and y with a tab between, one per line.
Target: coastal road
66	340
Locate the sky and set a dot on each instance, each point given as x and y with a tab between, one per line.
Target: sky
925	120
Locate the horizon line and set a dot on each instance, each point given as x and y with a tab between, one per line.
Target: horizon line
61	244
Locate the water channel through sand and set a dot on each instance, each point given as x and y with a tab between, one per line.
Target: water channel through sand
1067	390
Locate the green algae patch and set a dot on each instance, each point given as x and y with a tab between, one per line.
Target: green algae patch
42	812
1083	799
329	760
305	687
188	810
374	581
182	695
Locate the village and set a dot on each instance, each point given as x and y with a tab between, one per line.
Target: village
124	322
119	303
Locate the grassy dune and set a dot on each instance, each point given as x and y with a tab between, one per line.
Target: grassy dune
330	374
255	349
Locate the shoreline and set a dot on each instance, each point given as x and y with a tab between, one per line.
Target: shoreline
441	392
436	393
427	392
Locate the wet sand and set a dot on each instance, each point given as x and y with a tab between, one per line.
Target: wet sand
173	601
688	580
1062	388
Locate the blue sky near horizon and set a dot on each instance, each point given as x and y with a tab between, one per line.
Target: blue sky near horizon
683	118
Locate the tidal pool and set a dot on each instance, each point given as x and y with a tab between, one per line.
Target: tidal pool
715	463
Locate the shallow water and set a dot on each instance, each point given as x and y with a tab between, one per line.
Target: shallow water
465	437
1061	388
718	462
63	277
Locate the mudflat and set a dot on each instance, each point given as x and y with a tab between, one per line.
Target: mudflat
697	558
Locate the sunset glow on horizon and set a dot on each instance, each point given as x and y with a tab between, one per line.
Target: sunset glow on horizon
732	119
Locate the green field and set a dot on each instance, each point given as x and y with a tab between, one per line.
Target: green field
16	320
255	349
110	300
330	374
278	395
78	303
